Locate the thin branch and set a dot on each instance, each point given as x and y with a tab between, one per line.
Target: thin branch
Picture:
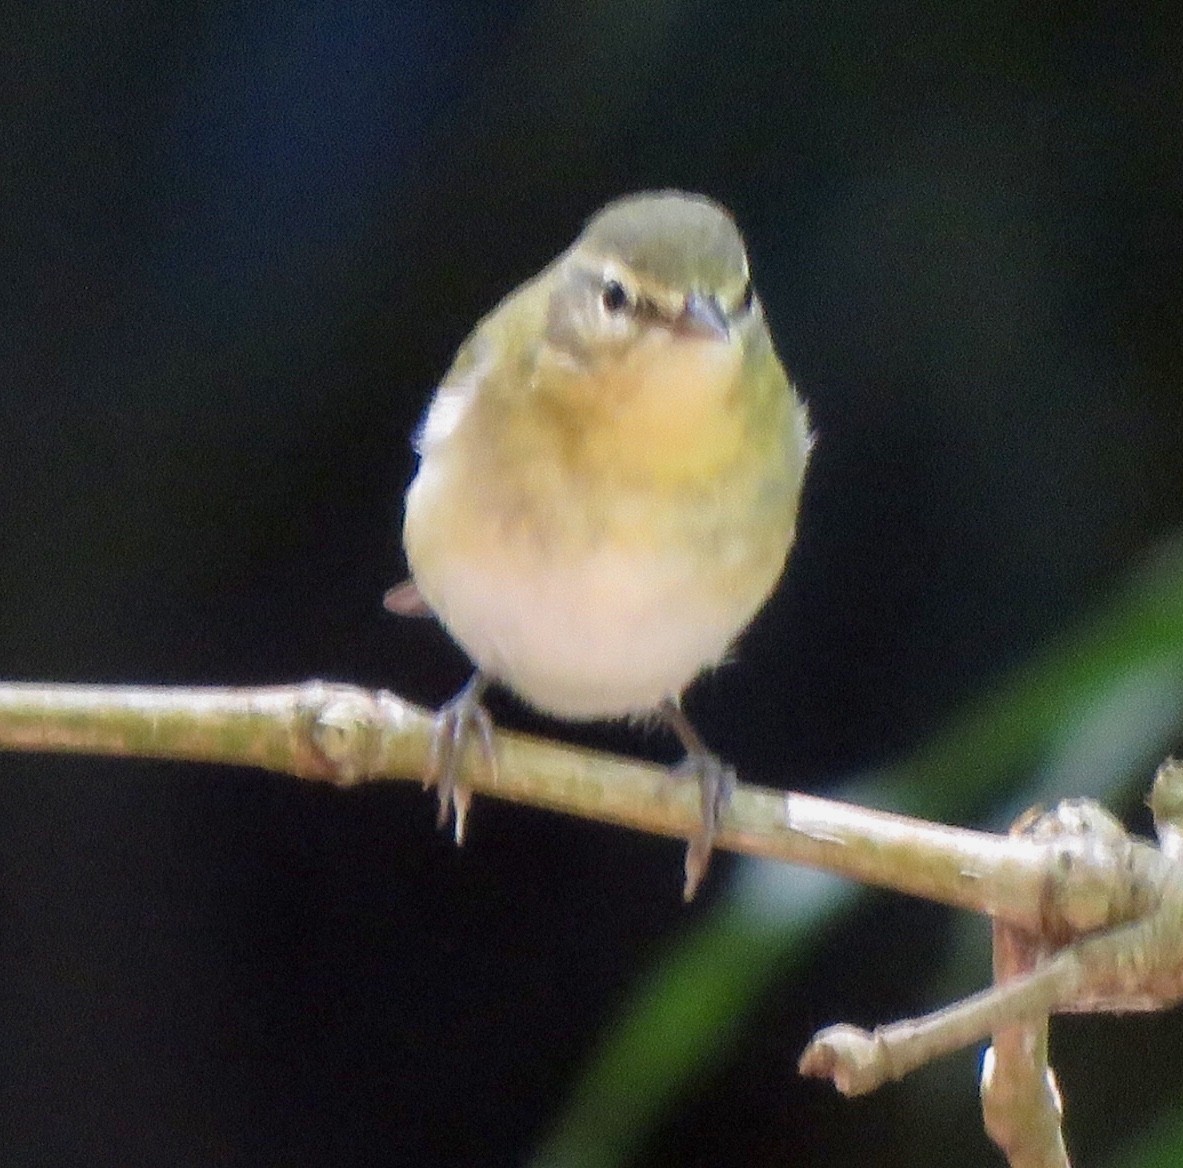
1086	918
1137	965
1021	1105
342	734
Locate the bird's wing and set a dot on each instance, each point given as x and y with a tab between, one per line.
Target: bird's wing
454	393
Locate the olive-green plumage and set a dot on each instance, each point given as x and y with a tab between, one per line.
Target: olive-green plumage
607	491
610	471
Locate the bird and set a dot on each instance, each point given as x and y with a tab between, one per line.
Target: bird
607	490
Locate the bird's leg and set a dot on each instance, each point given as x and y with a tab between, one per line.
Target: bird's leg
716	782
455	724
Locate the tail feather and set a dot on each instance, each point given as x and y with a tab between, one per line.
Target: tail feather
405	599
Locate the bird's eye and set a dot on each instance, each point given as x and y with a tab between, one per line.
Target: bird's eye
745	301
614	296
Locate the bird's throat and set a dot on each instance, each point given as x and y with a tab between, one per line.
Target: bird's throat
667	412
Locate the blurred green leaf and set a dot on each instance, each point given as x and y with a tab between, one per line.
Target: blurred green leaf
684	1016
1015	724
1160	1148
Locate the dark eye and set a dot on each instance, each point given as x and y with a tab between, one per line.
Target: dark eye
614	296
745	301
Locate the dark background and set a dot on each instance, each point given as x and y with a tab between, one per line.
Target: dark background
239	242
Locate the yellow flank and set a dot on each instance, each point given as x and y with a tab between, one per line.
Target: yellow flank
610	472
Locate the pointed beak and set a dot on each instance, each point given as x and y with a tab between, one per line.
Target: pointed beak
702	317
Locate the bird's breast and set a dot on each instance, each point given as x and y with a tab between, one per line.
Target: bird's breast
595	537
667	411
596	614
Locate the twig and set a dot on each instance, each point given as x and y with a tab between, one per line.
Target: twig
1132	965
1086	919
1021	1106
342	734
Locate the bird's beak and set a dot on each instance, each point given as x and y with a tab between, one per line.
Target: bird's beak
702	317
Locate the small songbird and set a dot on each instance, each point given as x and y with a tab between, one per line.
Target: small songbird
608	484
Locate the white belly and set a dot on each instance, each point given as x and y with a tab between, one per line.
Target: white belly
610	634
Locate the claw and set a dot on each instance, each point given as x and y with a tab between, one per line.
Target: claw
454	726
716	783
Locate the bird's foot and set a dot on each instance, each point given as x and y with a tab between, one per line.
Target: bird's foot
716	784
455	724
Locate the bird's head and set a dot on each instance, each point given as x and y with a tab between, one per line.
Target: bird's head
653	270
